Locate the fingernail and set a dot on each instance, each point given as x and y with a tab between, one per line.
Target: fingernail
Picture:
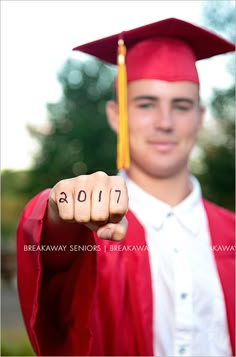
105	233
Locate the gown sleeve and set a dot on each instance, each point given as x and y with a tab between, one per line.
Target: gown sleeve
55	281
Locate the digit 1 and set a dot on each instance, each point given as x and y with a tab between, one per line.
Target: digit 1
100	196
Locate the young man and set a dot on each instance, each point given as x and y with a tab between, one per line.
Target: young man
91	284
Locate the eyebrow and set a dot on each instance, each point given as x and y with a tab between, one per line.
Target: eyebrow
185	100
156	99
145	97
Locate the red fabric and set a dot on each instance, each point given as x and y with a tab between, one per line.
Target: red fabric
99	302
165	59
222	228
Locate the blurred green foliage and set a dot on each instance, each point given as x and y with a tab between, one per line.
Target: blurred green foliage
218	174
78	139
18	345
13	199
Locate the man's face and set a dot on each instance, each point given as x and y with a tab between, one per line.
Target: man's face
164	118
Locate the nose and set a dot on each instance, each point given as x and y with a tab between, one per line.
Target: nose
163	120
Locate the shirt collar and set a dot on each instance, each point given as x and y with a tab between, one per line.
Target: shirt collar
153	212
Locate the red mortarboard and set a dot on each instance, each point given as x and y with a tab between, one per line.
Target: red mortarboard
164	50
196	42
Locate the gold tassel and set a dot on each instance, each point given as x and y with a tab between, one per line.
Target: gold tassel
122	140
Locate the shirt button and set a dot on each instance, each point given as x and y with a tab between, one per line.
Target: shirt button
169	214
176	250
182	350
183	295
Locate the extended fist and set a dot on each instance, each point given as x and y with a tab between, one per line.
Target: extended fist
98	201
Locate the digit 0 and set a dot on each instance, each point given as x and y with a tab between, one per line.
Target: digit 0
82	196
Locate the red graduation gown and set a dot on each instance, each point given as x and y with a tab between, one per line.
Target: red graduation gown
99	301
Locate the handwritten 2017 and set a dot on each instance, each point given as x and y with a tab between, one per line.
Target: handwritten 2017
82	196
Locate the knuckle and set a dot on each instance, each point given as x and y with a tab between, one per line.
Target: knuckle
100	175
58	186
118	180
82	178
62	185
82	183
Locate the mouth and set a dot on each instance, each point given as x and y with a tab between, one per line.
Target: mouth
162	145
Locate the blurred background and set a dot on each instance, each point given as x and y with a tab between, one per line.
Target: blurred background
52	110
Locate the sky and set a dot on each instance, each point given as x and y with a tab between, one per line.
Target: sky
37	38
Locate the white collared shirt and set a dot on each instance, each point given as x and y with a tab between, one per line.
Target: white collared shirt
189	317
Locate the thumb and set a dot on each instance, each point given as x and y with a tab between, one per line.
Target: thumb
113	231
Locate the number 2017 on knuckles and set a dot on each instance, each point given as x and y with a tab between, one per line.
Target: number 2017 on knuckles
82	196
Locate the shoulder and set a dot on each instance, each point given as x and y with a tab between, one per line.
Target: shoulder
210	206
218	215
221	225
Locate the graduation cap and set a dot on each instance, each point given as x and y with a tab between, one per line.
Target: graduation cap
165	50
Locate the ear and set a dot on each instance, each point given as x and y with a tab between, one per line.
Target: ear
112	114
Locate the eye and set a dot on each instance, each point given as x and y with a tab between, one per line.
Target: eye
182	107
145	105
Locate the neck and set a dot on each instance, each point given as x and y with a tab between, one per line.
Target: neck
171	190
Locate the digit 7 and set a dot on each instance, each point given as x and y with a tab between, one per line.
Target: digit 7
119	193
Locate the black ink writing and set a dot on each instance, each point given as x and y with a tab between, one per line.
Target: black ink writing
82	196
100	196
63	199
118	195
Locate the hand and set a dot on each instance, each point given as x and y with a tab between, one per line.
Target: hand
98	201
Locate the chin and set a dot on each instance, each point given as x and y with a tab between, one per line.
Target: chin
166	170
162	173
160	166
